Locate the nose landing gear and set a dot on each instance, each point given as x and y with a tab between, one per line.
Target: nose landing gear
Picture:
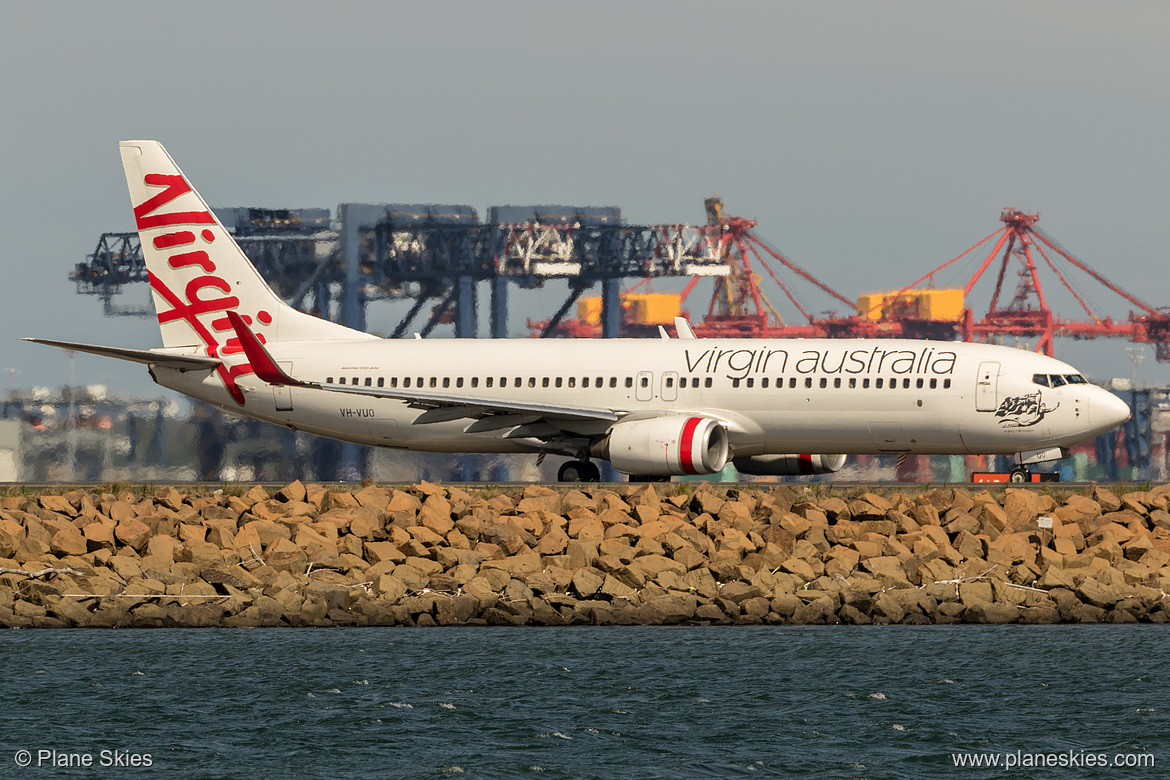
1019	474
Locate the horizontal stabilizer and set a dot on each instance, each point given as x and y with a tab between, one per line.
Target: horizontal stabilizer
146	356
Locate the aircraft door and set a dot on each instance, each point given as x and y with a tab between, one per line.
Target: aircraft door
644	386
282	394
986	387
669	386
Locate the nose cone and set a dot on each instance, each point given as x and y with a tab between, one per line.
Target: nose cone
1107	410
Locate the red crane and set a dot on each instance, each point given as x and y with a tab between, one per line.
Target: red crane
1027	313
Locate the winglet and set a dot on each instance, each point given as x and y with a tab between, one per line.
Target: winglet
683	328
262	363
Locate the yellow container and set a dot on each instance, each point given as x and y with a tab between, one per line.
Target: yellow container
942	305
937	305
589	310
653	308
637	308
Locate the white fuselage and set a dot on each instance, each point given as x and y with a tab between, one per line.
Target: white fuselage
788	396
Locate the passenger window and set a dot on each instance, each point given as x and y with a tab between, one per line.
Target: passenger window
630	381
394	381
735	383
572	381
670	381
369	381
852	382
946	384
532	381
559	381
808	381
645	381
751	382
488	381
933	384
434	382
707	382
503	382
519	382
419	383
354	381
459	382
599	382
865	383
919	384
406	381
584	381
893	384
824	382
878	383
792	382
613	382
381	382
837	382
906	384
475	381
1057	380
446	381
764	383
1040	379
544	382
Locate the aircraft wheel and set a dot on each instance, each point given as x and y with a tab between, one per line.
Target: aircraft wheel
1019	474
578	471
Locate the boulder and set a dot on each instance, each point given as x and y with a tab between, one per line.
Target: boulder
68	541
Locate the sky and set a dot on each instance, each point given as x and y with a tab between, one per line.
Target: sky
871	141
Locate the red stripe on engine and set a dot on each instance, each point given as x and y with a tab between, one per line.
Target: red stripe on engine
806	464
685	447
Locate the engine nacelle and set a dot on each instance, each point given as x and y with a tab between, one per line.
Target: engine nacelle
789	465
666	445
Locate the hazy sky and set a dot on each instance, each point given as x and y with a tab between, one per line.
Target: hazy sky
872	141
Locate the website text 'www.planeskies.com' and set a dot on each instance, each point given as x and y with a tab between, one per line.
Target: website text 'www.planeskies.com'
1071	759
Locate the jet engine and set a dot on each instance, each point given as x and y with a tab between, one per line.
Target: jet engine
789	465
666	445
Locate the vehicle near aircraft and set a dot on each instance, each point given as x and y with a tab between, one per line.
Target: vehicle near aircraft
652	408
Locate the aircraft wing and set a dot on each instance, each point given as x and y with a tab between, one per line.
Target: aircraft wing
145	356
474	406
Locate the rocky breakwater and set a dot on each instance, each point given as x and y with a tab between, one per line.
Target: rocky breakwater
430	555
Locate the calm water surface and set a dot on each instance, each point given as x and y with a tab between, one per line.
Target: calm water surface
864	702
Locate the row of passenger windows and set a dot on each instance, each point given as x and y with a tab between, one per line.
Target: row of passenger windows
1058	380
864	383
643	381
491	381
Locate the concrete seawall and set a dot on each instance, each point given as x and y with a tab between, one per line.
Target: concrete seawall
628	555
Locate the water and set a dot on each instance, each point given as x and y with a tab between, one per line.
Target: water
865	702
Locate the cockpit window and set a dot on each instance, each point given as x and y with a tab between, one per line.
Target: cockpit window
1058	380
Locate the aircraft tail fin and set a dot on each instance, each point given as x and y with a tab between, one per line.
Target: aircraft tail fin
198	272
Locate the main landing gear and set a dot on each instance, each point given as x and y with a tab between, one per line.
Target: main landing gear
1019	474
578	471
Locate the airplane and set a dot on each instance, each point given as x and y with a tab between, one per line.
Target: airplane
654	408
